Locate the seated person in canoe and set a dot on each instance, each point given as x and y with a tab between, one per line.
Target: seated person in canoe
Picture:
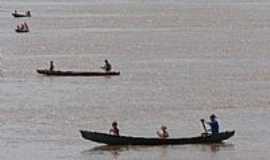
162	133
114	130
28	13
107	66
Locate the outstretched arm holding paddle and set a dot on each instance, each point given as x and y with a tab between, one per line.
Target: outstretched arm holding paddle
214	126
204	127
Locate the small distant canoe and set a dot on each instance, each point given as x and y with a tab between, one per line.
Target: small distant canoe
21	31
126	140
19	15
75	73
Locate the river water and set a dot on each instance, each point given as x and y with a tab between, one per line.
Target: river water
179	61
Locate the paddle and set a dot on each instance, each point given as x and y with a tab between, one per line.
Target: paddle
204	127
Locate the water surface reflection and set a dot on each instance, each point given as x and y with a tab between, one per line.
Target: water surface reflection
160	152
216	147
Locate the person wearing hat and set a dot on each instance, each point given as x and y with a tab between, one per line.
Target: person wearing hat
162	133
114	130
214	126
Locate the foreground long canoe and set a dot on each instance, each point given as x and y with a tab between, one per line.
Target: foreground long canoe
125	140
75	73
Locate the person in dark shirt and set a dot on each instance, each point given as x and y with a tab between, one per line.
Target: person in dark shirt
28	13
107	67
214	126
114	130
51	66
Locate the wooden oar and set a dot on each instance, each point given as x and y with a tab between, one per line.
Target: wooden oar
204	127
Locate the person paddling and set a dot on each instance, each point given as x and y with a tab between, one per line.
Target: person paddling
162	133
114	130
107	67
214	126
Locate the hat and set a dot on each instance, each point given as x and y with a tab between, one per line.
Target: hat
213	116
163	127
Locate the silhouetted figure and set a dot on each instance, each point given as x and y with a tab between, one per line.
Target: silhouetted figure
51	66
28	13
107	67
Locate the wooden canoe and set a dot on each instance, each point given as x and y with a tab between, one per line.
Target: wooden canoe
75	73
126	140
21	31
19	15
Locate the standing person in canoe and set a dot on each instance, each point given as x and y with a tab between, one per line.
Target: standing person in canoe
162	133
214	126
114	130
51	66
107	67
28	13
